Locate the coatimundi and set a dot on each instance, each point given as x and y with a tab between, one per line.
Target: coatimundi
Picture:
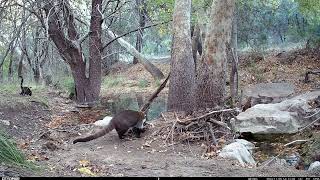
125	120
24	90
122	122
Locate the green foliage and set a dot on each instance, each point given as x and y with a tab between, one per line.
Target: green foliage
10	154
143	83
112	81
310	9
10	88
158	82
66	84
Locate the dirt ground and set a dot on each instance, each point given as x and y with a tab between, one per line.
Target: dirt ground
44	130
53	151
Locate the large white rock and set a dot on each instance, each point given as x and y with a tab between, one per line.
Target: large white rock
284	117
240	150
314	166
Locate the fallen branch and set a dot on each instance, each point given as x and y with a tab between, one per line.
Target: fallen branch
307	117
203	116
214	140
162	115
220	123
300	130
297	141
172	128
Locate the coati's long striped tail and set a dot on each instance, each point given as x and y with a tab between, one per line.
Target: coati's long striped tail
96	135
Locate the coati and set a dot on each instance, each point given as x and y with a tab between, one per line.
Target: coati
24	90
125	120
121	122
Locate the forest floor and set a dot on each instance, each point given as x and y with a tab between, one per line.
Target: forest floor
45	124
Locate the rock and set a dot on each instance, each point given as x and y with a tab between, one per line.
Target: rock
285	117
5	122
274	161
265	93
104	122
314	166
240	150
293	159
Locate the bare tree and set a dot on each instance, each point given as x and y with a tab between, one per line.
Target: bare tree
141	9
182	79
60	19
211	71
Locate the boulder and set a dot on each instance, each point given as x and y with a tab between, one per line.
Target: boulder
240	150
265	93
314	166
285	117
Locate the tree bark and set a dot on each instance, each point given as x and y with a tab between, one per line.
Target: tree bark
233	50
196	44
141	9
10	72
182	79
211	72
87	88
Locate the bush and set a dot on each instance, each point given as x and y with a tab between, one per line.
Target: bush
112	81
10	154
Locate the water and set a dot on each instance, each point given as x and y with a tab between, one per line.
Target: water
124	102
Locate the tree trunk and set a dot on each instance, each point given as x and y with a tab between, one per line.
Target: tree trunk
234	76
141	8
20	65
211	72
154	71
182	79
196	44
95	50
87	88
10	72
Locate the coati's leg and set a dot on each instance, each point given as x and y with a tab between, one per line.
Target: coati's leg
121	133
137	132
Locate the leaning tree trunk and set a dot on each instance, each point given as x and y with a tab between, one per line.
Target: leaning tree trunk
152	69
211	71
182	79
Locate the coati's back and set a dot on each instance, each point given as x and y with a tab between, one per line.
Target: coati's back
122	122
127	119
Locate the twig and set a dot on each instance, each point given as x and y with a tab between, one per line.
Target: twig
214	140
162	115
187	127
297	141
220	123
205	115
174	124
307	117
300	130
270	161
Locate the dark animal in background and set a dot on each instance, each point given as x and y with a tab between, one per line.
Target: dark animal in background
24	90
